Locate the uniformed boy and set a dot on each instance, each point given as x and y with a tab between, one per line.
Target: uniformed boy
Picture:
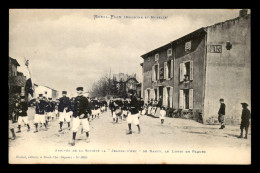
133	116
64	108
51	109
246	115
39	113
221	113
22	114
162	114
81	111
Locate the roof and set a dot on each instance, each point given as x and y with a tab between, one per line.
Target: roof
188	36
14	61
176	42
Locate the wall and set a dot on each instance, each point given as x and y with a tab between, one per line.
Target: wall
196	54
228	73
147	70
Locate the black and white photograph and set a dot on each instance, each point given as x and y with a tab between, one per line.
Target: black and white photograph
129	86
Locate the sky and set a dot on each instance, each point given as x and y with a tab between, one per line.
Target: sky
68	48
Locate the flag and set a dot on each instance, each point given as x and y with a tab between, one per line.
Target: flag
29	87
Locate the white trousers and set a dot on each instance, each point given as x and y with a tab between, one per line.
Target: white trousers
22	119
133	119
39	118
76	123
65	116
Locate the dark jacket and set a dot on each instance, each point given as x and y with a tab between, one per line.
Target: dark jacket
50	107
64	103
134	105
23	106
95	104
222	109
81	106
246	115
125	105
40	107
111	105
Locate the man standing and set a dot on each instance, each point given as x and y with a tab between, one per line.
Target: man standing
221	113
22	114
133	117
39	113
246	115
81	111
64	108
50	109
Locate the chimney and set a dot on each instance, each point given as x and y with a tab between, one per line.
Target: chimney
243	13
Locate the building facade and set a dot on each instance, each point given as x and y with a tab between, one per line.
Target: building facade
46	92
195	71
125	82
16	79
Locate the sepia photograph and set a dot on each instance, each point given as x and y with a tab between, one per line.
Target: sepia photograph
129	86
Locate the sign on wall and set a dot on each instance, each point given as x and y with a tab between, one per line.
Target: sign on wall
214	48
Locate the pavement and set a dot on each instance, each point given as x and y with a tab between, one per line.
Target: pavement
175	135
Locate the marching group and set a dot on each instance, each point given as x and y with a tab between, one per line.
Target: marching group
76	112
81	110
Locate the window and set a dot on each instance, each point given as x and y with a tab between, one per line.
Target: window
45	92
186	99
168	69
169	52
156	57
186	71
156	68
188	46
168	96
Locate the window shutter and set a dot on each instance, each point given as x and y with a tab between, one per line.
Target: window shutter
152	94
171	68
153	72
181	99
158	95
158	72
146	96
165	70
164	96
191	99
191	70
171	97
181	72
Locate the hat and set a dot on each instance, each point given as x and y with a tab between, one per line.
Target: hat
40	95
64	92
221	99
50	98
244	104
131	91
79	89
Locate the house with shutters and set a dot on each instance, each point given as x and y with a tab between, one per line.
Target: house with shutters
196	70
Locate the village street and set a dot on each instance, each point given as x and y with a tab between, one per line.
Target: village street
176	136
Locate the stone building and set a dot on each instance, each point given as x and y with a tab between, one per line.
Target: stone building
16	79
196	70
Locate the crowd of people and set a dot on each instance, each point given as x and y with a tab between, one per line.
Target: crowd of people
76	112
79	111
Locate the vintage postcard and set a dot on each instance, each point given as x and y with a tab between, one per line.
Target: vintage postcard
129	86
